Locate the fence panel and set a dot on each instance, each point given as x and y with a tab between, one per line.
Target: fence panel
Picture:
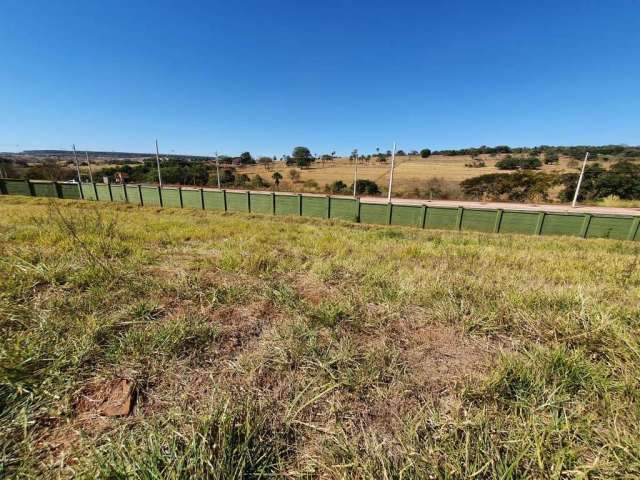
344	208
17	187
237	202
170	197
609	227
191	198
88	189
314	207
287	205
213	200
519	222
262	203
377	213
442	218
133	194
70	190
562	224
103	192
44	189
118	194
150	196
406	215
479	220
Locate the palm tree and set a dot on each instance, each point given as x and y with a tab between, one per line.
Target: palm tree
277	176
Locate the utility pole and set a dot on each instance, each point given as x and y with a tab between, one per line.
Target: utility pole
89	164
75	159
393	164
575	196
355	172
218	170
158	163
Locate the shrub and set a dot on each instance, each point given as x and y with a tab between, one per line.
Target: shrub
366	187
294	175
516	163
425	153
551	158
519	186
337	187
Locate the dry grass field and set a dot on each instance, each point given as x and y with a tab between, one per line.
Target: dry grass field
411	172
142	343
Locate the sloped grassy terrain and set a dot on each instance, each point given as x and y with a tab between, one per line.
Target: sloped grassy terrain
292	348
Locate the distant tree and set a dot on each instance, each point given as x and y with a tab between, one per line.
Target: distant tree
366	187
258	182
551	158
242	180
302	156
400	153
224	159
517	163
337	187
519	186
49	170
621	180
277	176
425	153
294	175
266	162
227	176
414	153
246	158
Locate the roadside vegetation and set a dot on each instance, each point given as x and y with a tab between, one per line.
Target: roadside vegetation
502	173
292	348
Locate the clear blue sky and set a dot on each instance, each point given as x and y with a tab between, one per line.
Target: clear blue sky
265	76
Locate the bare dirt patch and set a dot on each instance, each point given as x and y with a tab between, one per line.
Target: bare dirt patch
109	398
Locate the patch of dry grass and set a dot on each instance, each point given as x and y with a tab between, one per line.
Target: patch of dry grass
289	347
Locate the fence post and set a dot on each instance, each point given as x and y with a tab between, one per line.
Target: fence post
95	191
202	197
224	199
160	195
585	225
249	201
541	216
300	204
273	203
389	212
180	196
80	189
32	190
358	210
496	225
459	218
139	194
328	206
634	228
110	192
126	194
424	216
3	187
56	185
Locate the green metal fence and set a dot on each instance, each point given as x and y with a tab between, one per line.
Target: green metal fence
586	225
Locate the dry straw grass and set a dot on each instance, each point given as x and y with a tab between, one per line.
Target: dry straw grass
286	347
